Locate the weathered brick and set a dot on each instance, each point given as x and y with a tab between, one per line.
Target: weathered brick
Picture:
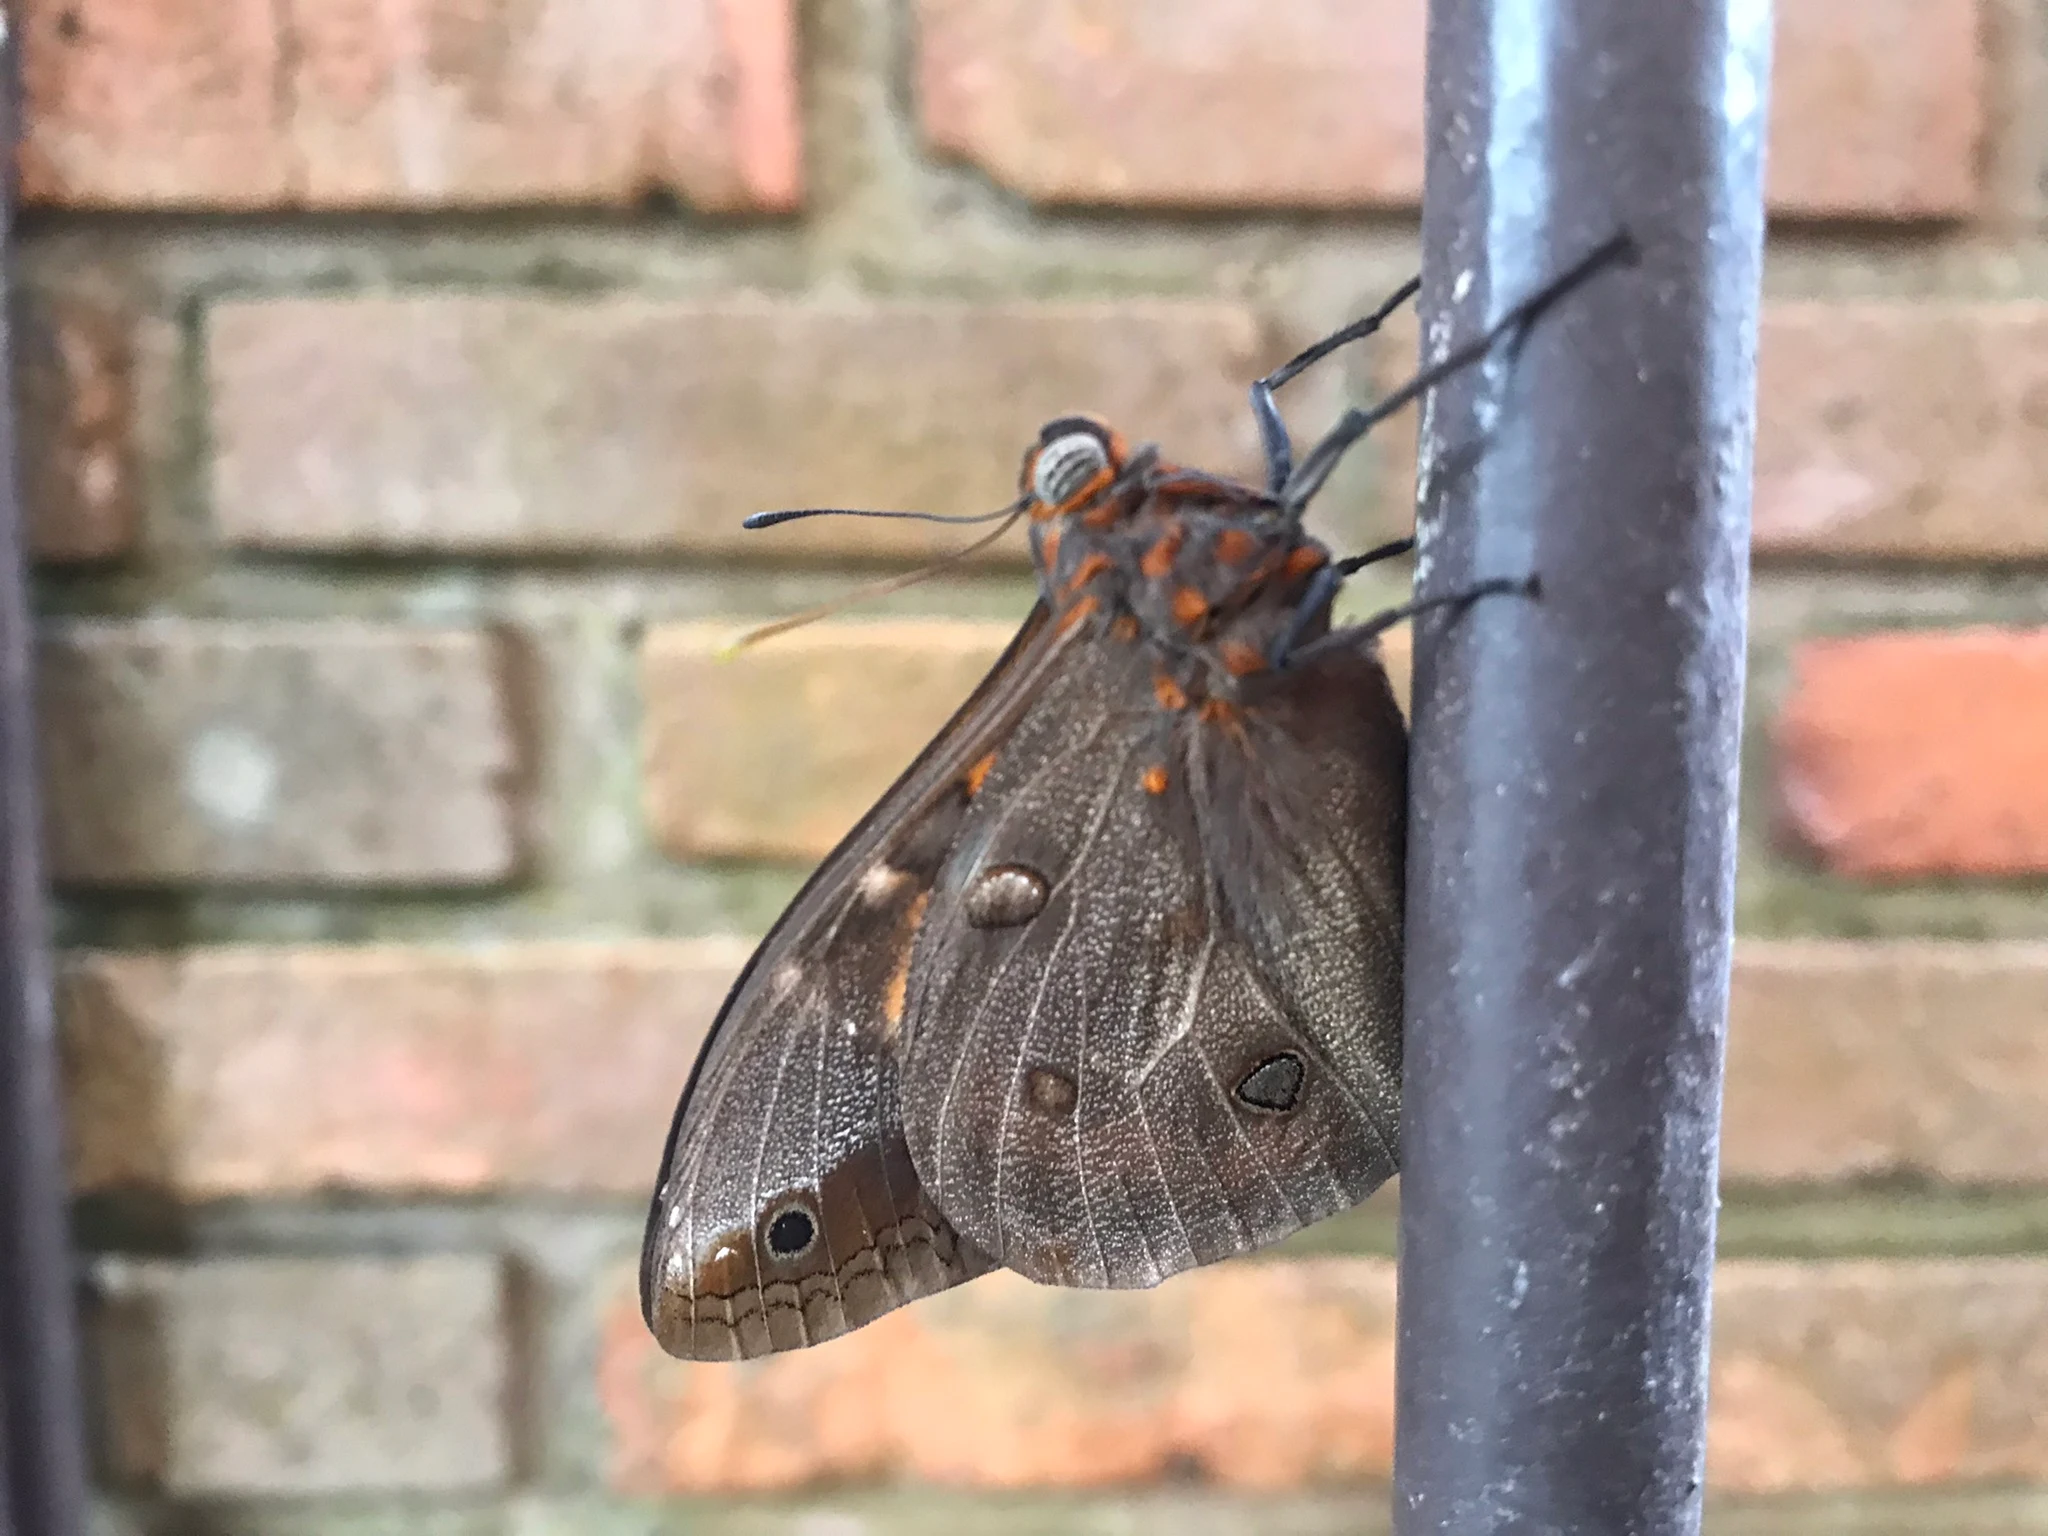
1903	430
178	752
229	1072
1850	1061
75	390
419	103
508	424
1918	753
1871	1375
554	1067
777	752
1825	1376
1877	109
1884	430
1199	103
299	1377
1877	105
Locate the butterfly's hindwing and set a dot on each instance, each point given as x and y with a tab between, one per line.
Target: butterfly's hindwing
1191	1045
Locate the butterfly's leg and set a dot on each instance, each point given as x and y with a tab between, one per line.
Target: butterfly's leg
1321	588
1303	484
1379	623
1272	430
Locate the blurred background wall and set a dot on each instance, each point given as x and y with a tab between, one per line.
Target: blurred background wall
395	376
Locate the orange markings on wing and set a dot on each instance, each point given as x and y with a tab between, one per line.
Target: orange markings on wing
1049	547
1234	546
1154	780
1158	560
1091	566
1304	559
1241	659
1169	693
978	774
897	994
1189	606
1125	628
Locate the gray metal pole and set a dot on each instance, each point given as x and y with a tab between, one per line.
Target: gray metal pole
1570	880
42	1457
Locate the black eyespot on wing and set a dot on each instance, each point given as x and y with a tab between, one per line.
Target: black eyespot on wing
791	1232
1274	1085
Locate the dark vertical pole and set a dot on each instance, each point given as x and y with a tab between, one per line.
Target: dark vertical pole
42	1460
1571	870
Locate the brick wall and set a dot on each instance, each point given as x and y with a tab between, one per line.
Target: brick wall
395	378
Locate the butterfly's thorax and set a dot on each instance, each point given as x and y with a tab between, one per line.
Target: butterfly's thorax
1203	579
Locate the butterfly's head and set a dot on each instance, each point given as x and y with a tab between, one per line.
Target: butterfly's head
1074	463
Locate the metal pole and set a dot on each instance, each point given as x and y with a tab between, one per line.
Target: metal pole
42	1455
1570	880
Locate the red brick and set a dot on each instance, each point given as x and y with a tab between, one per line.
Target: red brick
178	752
1853	1061
554	1067
777	752
298	1377
1877	108
484	424
1877	105
418	103
1825	1376
1884	431
1918	754
232	1072
75	388
1910	431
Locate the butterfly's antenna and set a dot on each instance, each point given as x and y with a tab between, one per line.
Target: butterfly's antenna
770	519
846	600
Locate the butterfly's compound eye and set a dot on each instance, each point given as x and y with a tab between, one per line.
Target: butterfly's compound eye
1065	465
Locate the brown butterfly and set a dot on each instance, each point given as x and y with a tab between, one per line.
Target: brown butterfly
1108	984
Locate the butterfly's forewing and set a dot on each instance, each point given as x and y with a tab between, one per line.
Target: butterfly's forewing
1156	997
788	1209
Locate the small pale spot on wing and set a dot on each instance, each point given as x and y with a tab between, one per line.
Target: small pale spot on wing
880	883
1005	896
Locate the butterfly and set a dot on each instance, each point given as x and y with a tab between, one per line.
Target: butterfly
1108	984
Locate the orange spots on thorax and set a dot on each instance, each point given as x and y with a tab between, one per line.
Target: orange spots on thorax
1304	559
1234	546
1092	565
1157	561
1241	659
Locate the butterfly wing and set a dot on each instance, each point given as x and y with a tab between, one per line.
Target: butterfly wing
788	1209
1155	1017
